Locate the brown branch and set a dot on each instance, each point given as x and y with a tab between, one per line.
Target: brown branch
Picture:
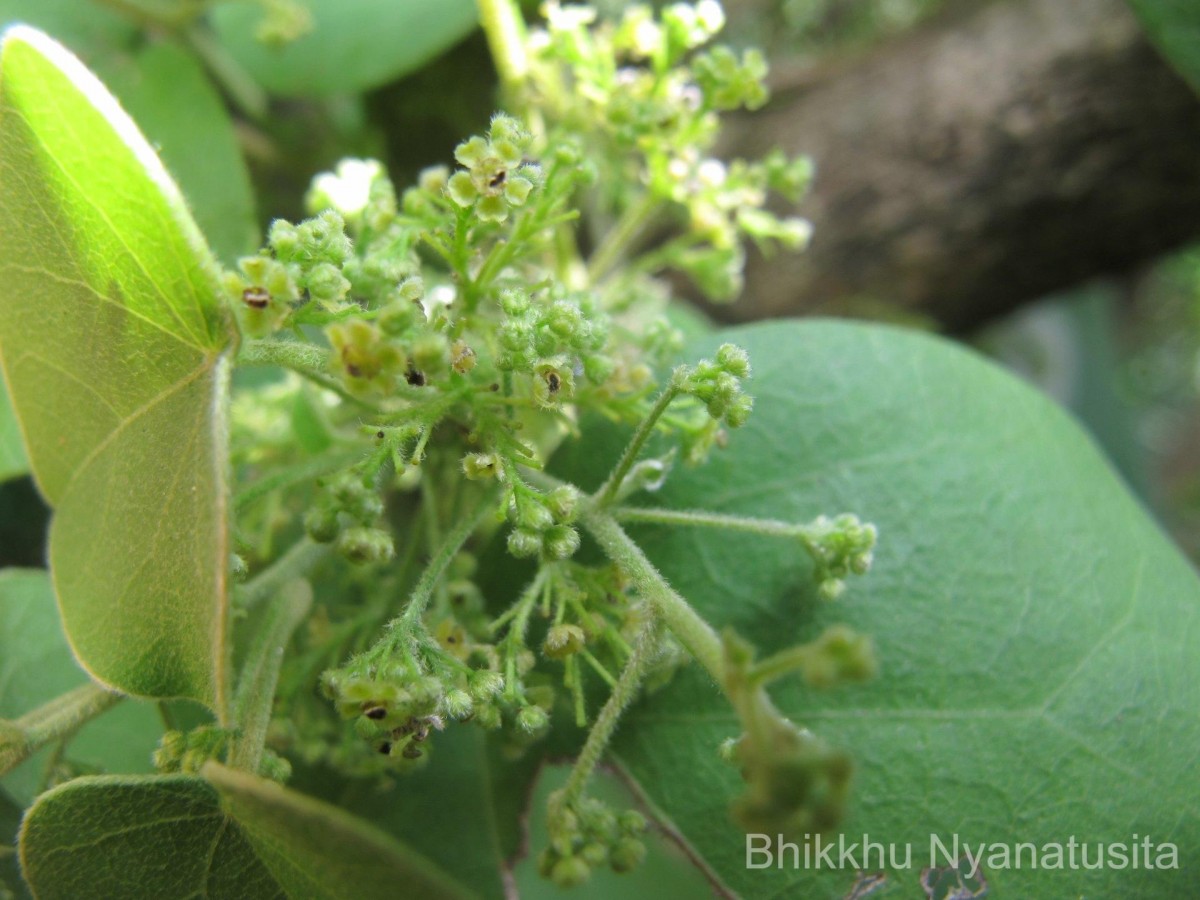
1008	152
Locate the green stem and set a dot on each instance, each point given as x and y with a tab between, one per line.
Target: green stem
55	720
608	492
303	359
703	519
309	470
296	563
441	560
260	672
779	664
621	237
602	730
696	635
242	89
505	30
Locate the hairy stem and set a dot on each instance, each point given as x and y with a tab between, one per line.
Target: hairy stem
452	543
696	635
309	470
304	359
260	673
242	89
622	694
609	491
299	560
57	719
703	519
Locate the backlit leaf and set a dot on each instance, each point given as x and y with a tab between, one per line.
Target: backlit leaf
112	340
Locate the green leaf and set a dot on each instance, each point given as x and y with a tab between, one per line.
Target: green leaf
139	837
1174	27
88	29
12	448
165	89
112	336
233	836
317	850
354	44
36	666
1034	626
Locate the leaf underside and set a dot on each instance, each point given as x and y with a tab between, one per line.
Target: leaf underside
111	339
228	835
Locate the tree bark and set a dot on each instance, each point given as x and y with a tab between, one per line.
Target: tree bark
994	157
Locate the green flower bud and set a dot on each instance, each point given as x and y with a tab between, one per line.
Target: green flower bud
594	853
561	542
478	466
365	545
734	360
563	503
524	543
458	704
321	523
484	685
533	720
563	641
569	872
627	854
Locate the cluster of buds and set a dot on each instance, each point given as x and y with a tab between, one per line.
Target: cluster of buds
549	339
188	751
840	546
542	523
585	835
346	516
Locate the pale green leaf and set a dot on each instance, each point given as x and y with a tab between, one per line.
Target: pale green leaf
111	337
314	849
12	449
1035	628
354	44
36	666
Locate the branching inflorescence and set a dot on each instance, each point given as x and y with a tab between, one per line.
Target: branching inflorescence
447	339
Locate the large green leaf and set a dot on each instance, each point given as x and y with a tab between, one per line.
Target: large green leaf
354	44
165	89
314	849
1174	26
139	837
111	338
36	666
12	450
233	836
1034	627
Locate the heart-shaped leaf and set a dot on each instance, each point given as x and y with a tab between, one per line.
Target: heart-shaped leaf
233	835
353	45
1037	684
112	339
36	666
